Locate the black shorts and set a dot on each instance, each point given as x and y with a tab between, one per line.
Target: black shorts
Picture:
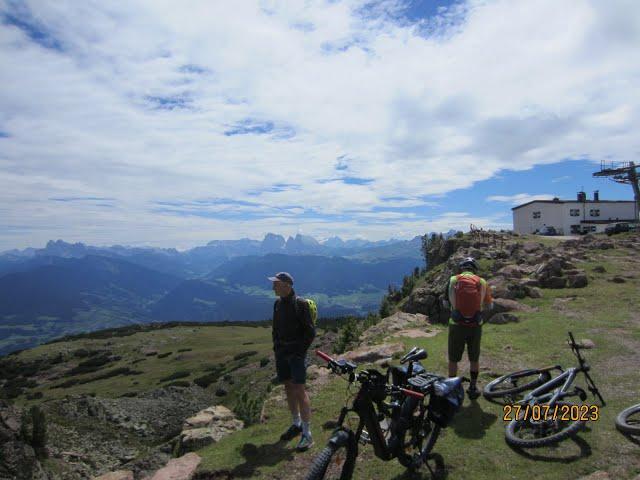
292	366
461	336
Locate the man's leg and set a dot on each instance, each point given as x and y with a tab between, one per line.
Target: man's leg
292	401
473	349
284	375
455	348
298	379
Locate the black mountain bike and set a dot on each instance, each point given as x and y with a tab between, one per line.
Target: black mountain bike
544	416
403	428
628	420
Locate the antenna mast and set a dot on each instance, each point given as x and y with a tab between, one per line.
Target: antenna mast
623	172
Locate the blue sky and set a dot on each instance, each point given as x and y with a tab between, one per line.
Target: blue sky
175	124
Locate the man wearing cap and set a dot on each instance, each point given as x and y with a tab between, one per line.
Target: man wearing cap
292	333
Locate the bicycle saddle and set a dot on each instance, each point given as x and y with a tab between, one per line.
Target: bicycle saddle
414	354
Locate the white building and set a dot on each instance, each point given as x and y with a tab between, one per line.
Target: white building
572	216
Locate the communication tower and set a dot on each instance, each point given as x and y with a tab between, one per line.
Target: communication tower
623	172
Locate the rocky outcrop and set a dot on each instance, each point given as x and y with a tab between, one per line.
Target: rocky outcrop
516	270
155	416
393	325
208	426
369	354
18	460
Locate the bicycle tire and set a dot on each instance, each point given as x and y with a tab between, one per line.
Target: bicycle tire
625	424
572	427
493	390
322	467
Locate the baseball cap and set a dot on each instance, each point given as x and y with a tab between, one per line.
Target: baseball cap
282	277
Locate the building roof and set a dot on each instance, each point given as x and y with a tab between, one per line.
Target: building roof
572	201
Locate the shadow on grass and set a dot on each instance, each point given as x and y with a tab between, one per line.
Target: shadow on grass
438	470
472	422
261	456
632	438
563	452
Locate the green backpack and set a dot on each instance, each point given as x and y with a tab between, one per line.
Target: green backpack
313	309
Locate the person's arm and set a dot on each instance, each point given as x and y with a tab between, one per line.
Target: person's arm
309	331
487	300
273	325
450	292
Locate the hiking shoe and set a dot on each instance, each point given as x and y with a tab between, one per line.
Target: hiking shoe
473	392
292	432
305	443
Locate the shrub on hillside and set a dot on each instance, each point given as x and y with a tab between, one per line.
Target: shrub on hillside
264	361
243	355
175	376
164	355
206	380
248	409
179	383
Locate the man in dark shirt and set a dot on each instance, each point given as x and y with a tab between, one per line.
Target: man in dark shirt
293	332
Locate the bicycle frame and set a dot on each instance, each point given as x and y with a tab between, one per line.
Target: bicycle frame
549	393
364	407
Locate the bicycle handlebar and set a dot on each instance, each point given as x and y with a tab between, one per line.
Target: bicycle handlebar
333	365
324	356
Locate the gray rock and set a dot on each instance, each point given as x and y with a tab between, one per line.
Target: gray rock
618	279
531	247
586	344
554	282
534	292
577	281
506	305
502	318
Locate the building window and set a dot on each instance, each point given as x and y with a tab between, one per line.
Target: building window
594	212
574	212
536	215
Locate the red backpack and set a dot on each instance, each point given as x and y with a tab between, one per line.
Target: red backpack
468	294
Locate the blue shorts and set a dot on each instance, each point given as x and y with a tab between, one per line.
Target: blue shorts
292	366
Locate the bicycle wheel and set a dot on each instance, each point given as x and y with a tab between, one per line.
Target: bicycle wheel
333	463
628	420
515	382
522	432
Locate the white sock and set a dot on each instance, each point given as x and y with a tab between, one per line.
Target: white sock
306	429
296	419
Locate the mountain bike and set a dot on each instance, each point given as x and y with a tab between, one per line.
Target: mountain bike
403	428
628	420
543	416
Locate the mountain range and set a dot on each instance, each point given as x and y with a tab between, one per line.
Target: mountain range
68	288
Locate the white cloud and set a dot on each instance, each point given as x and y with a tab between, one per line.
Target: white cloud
519	198
136	104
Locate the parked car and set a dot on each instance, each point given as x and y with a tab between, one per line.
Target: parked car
548	230
634	227
616	228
